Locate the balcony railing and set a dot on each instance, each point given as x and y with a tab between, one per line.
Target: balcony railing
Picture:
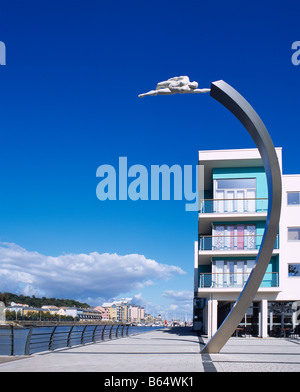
234	280
232	242
233	206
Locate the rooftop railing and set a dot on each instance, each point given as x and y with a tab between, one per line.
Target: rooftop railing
234	280
233	206
231	242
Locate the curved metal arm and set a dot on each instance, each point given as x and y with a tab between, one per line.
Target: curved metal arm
244	112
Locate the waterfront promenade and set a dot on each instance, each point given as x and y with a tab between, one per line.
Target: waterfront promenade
167	350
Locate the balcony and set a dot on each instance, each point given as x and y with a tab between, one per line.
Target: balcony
234	280
230	246
232	243
233	206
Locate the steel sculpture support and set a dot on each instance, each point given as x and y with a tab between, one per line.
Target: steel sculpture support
244	112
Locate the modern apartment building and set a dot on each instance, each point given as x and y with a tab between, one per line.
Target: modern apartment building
104	312
123	311
136	314
231	224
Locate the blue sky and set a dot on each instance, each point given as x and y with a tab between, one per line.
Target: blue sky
69	104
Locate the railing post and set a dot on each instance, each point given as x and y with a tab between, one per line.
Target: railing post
94	334
12	336
51	338
123	331
27	344
82	335
69	336
202	206
117	330
111	331
127	331
102	336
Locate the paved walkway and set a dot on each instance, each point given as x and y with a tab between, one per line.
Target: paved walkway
168	350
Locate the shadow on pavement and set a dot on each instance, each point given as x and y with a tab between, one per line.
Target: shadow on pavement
181	331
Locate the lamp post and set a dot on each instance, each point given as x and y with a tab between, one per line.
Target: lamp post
244	112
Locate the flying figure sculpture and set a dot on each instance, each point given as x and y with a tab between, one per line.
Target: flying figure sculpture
178	84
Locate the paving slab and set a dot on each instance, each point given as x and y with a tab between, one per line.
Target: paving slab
258	355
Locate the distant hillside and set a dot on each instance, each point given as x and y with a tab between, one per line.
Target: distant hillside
39	302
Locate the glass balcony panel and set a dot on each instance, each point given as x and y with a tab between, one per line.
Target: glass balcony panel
233	205
233	242
234	280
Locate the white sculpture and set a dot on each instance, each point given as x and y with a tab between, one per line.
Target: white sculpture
178	84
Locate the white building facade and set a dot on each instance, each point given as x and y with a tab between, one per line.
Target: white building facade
231	224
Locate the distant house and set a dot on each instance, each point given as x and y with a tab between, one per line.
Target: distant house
54	310
83	314
104	312
136	314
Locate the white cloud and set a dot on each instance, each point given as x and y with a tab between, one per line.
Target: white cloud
178	296
76	276
180	302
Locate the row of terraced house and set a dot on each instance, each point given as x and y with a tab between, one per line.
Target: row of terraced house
122	311
117	311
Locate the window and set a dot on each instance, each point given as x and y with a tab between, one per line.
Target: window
235	195
294	234
294	270
227	273
293	198
235	237
237	183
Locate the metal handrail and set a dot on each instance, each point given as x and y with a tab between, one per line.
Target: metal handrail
208	205
71	337
247	198
232	236
44	338
235	273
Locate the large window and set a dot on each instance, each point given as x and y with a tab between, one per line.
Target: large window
251	321
227	273
282	317
235	195
293	198
294	234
